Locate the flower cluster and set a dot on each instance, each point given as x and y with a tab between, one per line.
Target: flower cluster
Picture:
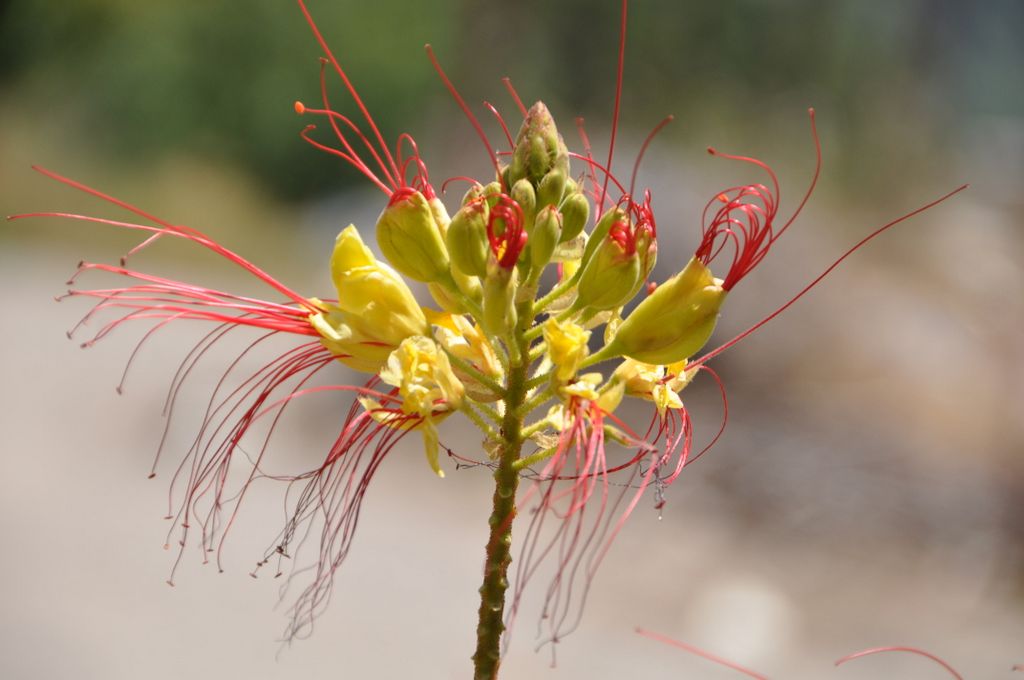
544	321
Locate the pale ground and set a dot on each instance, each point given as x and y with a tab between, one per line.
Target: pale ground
867	492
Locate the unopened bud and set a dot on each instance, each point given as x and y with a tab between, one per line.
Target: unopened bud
499	299
538	148
674	321
467	239
492	192
523	193
409	236
601	229
551	188
475	191
575	213
610	278
454	301
545	236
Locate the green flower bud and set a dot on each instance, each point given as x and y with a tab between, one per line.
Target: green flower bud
467	239
575	213
522	193
445	299
473	193
550	189
449	299
545	236
538	149
601	230
409	236
440	214
570	187
493	193
647	249
499	299
609	278
674	321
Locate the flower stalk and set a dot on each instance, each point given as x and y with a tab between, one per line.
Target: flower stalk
498	555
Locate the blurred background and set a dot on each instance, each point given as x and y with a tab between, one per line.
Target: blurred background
868	488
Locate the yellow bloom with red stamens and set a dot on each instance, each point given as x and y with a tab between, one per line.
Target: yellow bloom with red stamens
428	388
675	320
501	353
375	310
659	384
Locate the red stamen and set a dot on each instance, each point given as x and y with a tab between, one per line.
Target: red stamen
704	654
618	100
747	217
465	109
911	650
168	229
643	149
348	85
515	95
501	121
721	348
509	243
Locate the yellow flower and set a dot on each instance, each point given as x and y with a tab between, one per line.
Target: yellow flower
567	347
584	388
659	384
466	340
427	386
675	320
375	310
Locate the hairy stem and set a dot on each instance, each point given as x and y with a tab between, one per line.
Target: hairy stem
487	658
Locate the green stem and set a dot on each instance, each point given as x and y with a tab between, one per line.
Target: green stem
491	413
477	420
487	658
556	292
534	458
538	400
485	380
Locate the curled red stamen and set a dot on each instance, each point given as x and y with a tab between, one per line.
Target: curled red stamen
745	216
505	231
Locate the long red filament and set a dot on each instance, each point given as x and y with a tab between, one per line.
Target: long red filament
515	95
704	654
166	228
721	348
643	149
618	101
348	85
911	650
465	108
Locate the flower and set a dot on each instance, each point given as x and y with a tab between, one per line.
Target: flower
500	352
375	310
427	387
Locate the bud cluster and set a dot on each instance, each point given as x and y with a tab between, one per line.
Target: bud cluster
484	267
